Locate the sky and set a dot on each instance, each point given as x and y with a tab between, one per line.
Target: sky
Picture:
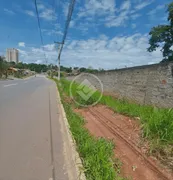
107	34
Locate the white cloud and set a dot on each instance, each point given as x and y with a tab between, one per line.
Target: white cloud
40	6
72	23
97	8
106	12
125	13
134	26
23	53
119	20
143	4
155	10
45	12
48	14
103	52
51	32
135	16
84	27
117	52
37	55
65	9
103	37
9	11
21	44
164	19
126	5
30	13
49	47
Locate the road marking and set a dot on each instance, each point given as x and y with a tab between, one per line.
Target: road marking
10	85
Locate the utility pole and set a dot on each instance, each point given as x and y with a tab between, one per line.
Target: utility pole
59	61
61	44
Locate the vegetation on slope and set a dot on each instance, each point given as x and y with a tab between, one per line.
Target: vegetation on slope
157	123
97	154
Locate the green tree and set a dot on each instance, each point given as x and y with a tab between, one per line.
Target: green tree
162	36
20	65
3	67
83	69
12	64
68	70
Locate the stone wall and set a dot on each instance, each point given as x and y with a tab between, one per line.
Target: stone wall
151	84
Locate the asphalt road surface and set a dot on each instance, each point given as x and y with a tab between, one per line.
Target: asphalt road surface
31	146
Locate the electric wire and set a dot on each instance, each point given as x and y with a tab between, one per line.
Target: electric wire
39	27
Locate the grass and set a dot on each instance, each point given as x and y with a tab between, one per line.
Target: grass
97	154
157	123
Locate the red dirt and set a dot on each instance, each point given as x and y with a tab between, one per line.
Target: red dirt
125	132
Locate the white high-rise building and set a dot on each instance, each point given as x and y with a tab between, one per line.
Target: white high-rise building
12	55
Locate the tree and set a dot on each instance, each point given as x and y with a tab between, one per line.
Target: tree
162	36
20	65
3	67
12	64
69	70
83	69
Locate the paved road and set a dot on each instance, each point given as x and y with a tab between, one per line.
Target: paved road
31	146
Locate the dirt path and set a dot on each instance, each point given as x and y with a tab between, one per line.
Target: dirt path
125	132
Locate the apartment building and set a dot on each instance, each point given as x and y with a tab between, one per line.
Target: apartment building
12	55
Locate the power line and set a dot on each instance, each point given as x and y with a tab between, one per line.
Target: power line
61	44
59	17
70	12
40	32
39	25
54	4
56	8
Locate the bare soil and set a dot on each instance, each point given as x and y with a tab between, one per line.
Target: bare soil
126	133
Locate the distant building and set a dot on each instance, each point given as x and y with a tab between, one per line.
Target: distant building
75	71
12	55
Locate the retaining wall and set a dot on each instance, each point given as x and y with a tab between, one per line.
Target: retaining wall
151	84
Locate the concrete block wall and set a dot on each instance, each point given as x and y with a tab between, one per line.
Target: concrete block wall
151	84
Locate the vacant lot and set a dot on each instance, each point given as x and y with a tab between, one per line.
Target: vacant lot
148	133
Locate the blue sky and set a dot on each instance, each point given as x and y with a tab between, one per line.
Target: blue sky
103	33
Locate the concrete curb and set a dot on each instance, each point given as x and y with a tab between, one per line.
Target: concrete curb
74	164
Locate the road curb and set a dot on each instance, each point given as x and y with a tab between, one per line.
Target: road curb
72	157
